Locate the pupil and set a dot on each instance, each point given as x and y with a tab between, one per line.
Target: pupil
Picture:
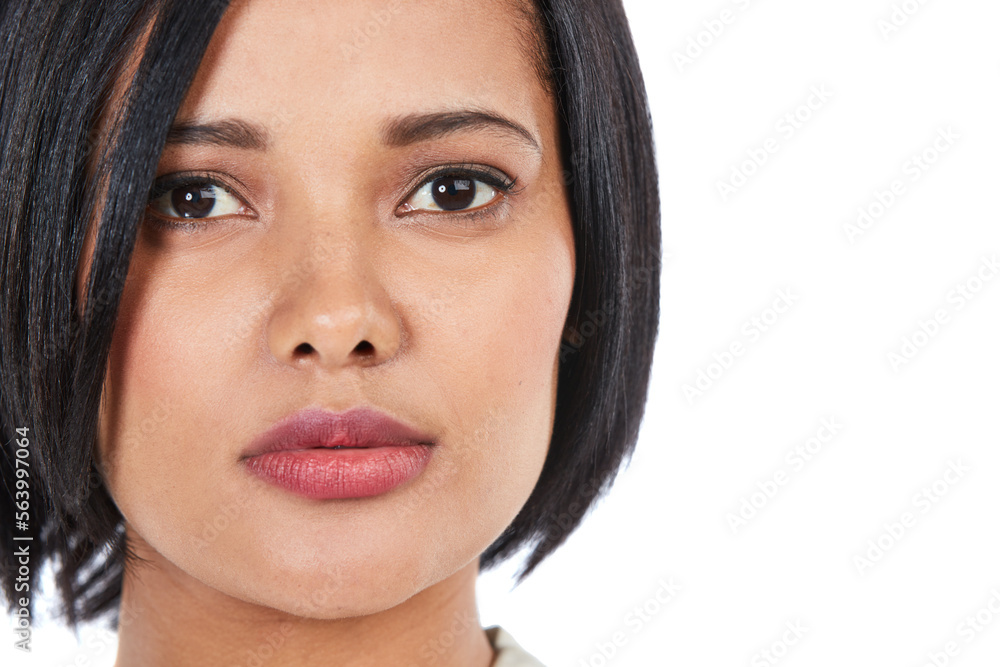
452	193
192	201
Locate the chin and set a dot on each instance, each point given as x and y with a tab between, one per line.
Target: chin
363	593
324	583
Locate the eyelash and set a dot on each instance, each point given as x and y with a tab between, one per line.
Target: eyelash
490	176
164	185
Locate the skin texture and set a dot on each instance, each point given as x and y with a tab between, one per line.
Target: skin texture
316	291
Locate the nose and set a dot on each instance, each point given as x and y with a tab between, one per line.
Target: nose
331	309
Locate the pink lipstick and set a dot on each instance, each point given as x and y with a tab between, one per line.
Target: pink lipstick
322	455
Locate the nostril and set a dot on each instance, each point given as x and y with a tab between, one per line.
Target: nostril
363	349
304	349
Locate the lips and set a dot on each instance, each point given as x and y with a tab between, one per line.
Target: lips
315	428
323	455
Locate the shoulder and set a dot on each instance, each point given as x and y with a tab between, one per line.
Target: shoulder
509	652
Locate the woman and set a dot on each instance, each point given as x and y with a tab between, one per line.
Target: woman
312	311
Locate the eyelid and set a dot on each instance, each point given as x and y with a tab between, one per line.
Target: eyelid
492	176
164	184
167	182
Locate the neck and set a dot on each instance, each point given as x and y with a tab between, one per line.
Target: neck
170	619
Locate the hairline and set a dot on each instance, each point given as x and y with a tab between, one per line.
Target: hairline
533	34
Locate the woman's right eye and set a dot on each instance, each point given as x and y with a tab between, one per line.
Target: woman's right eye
194	199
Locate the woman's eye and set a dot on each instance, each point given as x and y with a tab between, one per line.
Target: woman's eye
451	192
196	199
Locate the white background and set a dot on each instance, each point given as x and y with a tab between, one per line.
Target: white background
855	295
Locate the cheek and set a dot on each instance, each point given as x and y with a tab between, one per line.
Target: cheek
502	360
168	397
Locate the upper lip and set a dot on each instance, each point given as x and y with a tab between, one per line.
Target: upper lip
316	427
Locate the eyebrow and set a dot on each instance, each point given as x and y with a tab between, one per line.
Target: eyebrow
396	132
233	133
413	128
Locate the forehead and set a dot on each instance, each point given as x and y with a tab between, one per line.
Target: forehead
345	62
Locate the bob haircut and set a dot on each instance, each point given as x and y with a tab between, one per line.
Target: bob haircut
61	63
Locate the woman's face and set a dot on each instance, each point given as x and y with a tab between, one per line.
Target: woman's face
331	276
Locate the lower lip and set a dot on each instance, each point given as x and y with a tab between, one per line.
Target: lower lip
341	473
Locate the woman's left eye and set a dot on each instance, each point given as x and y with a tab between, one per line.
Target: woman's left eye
194	199
453	192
